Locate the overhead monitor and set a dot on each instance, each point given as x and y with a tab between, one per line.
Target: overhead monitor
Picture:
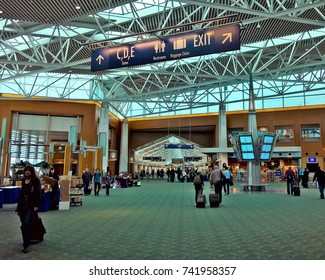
246	147
267	147
269	139
248	156
245	139
265	156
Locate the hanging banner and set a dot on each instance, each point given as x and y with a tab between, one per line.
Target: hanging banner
185	45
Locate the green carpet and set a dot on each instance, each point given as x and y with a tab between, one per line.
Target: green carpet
159	221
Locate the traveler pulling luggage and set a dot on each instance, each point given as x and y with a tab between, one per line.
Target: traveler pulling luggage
200	199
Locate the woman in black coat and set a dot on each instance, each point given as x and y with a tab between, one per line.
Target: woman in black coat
28	203
55	189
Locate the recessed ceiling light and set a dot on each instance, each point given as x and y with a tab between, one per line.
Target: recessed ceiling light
78	7
1	12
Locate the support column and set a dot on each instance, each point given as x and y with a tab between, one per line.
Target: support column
103	134
253	167
223	137
67	160
124	148
2	148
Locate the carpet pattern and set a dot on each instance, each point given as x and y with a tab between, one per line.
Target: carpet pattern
159	221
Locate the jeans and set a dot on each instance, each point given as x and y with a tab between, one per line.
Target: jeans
198	190
218	190
321	189
226	186
26	225
290	187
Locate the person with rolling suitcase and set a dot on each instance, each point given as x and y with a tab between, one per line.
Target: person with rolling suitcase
86	180
290	177
198	185
217	178
28	203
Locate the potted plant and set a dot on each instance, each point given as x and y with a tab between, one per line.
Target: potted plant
45	167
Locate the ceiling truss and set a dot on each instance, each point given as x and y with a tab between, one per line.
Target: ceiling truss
43	54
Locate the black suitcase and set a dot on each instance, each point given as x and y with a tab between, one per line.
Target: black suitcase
38	229
296	191
87	191
201	201
214	200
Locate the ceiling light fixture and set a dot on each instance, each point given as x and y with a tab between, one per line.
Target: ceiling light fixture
78	7
1	12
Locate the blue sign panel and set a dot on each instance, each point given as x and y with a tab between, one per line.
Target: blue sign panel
201	42
179	146
312	159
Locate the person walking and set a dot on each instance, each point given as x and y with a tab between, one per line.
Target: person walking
86	180
54	189
290	177
320	177
228	178
198	185
97	181
216	179
28	203
305	178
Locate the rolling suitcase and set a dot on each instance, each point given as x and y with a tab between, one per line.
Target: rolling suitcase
296	191
201	200
214	200
38	229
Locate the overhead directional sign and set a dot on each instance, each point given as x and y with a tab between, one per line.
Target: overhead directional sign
192	159
201	42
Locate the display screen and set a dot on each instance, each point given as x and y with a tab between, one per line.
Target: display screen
248	156
247	147
265	156
246	139
266	148
268	139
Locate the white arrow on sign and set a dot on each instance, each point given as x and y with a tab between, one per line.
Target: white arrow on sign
99	59
228	37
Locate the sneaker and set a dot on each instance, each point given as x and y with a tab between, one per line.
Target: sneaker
24	250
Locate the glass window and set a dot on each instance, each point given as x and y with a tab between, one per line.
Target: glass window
310	132
285	133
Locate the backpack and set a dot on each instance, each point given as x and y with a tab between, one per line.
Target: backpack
289	176
197	180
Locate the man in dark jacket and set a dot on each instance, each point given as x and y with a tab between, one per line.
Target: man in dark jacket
320	177
290	177
86	180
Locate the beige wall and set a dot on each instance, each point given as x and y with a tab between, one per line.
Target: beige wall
202	129
86	111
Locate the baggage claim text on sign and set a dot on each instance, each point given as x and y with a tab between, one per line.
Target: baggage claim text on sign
208	41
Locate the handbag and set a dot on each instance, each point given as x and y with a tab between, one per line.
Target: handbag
231	183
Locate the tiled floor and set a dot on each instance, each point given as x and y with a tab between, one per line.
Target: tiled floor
159	221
